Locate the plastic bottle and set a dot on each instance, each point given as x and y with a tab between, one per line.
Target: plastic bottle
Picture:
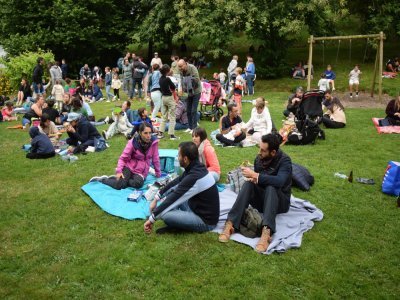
177	166
340	175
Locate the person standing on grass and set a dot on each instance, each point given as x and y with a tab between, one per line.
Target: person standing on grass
267	189
191	201
191	85
155	91
250	72
354	79
167	87
134	163
127	77
108	82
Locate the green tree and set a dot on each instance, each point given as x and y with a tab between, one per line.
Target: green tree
22	65
80	30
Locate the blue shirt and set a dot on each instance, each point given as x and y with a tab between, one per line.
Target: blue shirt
250	69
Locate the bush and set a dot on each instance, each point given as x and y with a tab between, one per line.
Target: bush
22	66
5	87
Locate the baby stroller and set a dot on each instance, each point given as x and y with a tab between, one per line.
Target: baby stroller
307	118
212	91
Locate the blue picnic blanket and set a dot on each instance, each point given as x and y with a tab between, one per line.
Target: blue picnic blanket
115	202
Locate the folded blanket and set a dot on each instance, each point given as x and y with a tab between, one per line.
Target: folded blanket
385	129
289	226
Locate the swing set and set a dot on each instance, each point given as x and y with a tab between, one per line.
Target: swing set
378	60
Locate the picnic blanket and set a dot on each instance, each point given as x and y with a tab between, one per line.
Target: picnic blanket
290	226
115	202
385	129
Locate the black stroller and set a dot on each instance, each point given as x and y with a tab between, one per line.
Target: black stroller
308	117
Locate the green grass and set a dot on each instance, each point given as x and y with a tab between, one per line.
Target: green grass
56	243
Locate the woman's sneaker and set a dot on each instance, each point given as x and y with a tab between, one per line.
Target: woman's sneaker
98	178
160	135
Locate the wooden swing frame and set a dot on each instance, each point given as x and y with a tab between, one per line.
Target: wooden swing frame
378	60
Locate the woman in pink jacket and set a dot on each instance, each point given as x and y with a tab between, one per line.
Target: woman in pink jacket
134	162
207	154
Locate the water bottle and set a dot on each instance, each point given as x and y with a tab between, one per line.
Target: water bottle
177	166
340	175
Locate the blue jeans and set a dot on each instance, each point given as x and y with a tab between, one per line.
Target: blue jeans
25	121
192	103
37	89
109	94
250	84
138	82
184	218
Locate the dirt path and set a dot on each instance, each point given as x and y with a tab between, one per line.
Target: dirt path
364	100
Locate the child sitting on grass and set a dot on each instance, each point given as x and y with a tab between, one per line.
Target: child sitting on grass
41	146
8	112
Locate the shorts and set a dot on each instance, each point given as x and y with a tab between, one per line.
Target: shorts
353	81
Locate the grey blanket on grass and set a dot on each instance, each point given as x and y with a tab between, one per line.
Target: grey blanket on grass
290	226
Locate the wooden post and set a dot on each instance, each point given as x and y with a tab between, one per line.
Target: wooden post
375	72
380	64
310	62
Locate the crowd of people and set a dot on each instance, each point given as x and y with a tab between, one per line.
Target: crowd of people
191	201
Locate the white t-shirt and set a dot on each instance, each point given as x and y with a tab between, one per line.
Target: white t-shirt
354	75
323	84
222	77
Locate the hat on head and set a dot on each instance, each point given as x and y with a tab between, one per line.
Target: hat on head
73	116
155	53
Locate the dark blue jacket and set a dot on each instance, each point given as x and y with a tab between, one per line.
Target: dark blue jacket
197	186
40	142
84	132
97	91
276	173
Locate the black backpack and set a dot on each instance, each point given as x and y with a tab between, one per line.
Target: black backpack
307	133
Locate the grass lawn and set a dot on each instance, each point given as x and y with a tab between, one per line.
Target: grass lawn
56	243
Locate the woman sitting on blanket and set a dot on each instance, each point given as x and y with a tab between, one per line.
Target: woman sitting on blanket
393	113
260	122
134	162
207	154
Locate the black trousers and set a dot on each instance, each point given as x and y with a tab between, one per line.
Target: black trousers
116	93
227	142
40	155
332	124
269	201
130	180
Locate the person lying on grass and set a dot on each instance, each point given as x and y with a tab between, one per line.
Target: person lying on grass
191	201
267	189
134	163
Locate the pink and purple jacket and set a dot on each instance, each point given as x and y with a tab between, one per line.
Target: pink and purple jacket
138	162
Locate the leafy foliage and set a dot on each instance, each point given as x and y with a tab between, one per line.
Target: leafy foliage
80	31
22	65
5	87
